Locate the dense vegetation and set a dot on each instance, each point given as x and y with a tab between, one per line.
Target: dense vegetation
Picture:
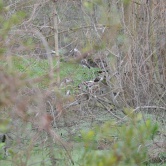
82	82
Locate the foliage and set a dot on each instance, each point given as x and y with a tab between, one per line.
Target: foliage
7	24
128	143
126	38
2	150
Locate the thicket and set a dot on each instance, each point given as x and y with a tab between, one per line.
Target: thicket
56	112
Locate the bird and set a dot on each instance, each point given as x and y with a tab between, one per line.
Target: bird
84	63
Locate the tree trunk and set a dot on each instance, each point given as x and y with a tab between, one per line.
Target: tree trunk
55	22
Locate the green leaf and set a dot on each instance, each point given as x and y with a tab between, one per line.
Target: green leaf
1	5
2	144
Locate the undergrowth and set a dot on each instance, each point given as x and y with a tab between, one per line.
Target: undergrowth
35	68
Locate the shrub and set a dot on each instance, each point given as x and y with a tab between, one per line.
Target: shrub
125	143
